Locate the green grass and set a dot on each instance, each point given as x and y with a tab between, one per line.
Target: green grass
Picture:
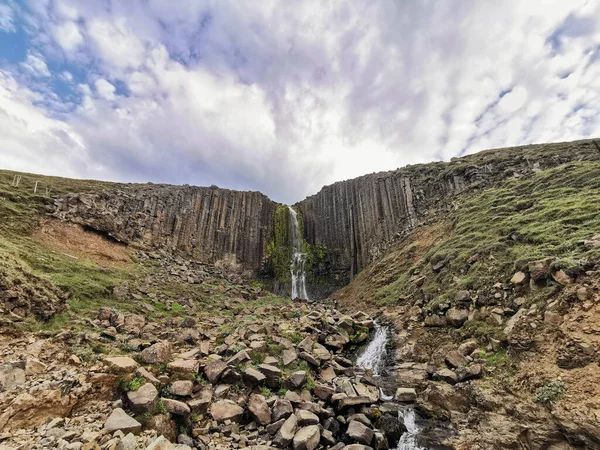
546	215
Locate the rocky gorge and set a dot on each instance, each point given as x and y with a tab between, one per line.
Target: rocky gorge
452	306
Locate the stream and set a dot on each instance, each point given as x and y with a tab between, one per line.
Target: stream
374	357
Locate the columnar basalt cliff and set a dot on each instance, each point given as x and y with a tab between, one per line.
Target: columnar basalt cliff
206	223
358	218
346	225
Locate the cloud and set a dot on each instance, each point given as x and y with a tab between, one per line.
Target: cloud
35	65
6	19
249	95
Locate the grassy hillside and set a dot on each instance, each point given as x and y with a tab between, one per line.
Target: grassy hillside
489	235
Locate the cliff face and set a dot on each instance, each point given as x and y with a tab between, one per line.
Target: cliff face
206	223
346	225
358	218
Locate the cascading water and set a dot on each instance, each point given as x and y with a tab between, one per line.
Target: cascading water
298	264
408	441
373	356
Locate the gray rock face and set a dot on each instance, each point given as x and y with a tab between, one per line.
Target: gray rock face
207	223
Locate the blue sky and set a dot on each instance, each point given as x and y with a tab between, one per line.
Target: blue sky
284	97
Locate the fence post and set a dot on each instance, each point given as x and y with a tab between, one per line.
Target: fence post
35	187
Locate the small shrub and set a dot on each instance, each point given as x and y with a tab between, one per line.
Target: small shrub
136	383
177	308
550	392
310	383
266	392
257	356
282	392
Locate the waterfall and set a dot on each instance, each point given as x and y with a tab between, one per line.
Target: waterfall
408	441
373	357
298	264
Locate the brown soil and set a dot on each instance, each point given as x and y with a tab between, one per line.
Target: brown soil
73	240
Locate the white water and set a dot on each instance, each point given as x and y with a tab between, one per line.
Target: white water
373	357
298	265
408	441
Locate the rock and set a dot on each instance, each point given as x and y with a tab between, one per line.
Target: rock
275	426
519	278
539	270
272	373
34	366
144	399
320	352
161	352
200	404
253	377
184	366
562	278
446	375
259	410
214	370
435	321
553	318
582	294
354	401
11	376
176	407
456	359
359	432
289	356
296	380
120	421
133	323
328	374
182	388
121	364
324	392
129	442
286	432
163	425
392	428
226	410
307	438
470	373
309	358
282	409
306	418
405	395
141	372
456	317
239	357
468	347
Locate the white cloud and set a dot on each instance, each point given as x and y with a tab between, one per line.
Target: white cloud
6	19
250	95
68	36
35	65
105	89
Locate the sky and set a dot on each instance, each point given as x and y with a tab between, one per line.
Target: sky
285	97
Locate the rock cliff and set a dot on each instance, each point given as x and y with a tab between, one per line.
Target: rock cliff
358	218
206	223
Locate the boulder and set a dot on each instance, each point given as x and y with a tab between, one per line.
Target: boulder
519	278
306	418
435	321
360	433
456	359
446	375
286	432
120	421
282	409
176	407
184	366
144	399
161	352
182	388
289	356
121	364
253	377
272	373
405	395
226	410
214	370
456	317
296	380
200	404
259	410
307	438
163	425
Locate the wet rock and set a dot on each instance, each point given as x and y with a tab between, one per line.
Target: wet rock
120	421
392	428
